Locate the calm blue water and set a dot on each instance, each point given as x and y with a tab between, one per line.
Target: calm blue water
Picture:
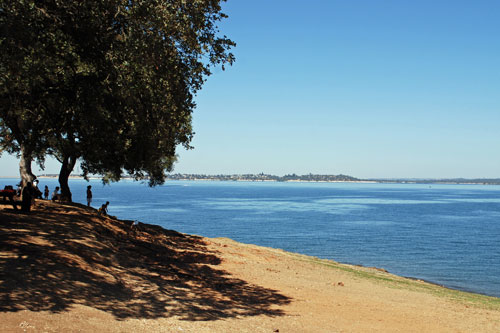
447	234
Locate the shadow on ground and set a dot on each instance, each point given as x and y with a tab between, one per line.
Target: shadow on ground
58	256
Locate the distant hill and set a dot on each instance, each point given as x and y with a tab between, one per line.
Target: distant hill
318	178
481	181
265	177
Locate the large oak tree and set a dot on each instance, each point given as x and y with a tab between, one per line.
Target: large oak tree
109	83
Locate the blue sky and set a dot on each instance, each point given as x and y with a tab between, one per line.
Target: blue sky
365	88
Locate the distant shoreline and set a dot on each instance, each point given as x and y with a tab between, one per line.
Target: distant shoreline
310	178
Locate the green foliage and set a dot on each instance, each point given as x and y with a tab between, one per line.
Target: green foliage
110	82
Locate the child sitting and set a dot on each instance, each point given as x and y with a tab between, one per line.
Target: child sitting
104	209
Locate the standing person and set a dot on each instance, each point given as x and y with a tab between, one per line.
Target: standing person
27	197
46	192
89	195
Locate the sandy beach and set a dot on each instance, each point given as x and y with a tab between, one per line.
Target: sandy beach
64	268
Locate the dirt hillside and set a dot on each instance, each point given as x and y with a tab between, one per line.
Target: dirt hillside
64	268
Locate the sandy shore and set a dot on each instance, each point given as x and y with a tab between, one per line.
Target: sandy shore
63	268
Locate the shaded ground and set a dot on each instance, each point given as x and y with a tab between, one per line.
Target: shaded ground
60	255
63	268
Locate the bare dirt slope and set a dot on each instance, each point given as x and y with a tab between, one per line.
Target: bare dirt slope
63	268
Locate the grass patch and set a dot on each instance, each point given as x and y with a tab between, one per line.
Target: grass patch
394	281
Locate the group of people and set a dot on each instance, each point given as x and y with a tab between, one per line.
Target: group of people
30	192
104	208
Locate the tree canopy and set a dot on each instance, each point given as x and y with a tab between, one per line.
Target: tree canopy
109	82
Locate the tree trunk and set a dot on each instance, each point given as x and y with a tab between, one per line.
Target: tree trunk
25	166
67	166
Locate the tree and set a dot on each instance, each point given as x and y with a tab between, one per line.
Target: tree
108	82
24	70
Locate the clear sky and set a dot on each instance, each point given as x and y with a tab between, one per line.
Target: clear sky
365	88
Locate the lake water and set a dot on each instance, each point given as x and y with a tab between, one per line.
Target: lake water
446	234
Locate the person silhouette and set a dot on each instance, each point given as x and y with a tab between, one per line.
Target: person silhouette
104	209
89	195
55	194
27	194
35	191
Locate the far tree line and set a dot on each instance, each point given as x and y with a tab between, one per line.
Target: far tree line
109	83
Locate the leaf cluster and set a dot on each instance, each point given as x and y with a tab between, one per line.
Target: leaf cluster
110	82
